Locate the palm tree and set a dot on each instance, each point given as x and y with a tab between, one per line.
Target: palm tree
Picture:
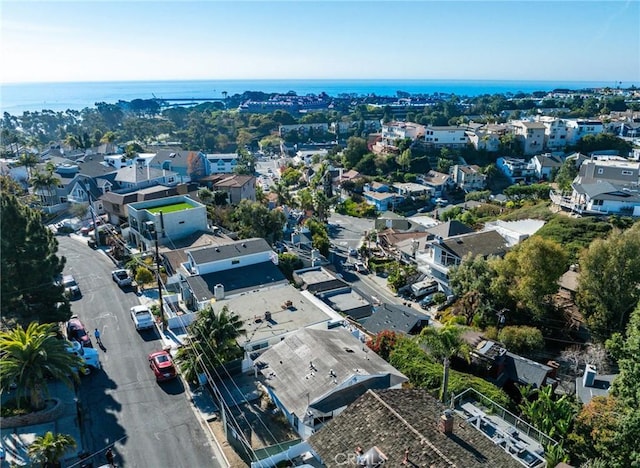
212	343
30	356
49	448
443	344
44	184
29	161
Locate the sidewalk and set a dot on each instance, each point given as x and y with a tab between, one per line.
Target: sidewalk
17	440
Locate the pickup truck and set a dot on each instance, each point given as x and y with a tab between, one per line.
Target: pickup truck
121	276
90	357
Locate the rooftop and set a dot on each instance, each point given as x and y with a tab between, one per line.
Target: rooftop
232	250
485	243
396	318
289	311
403	425
310	366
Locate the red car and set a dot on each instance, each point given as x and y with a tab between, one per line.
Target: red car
162	366
76	331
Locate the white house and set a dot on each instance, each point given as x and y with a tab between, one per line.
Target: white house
393	131
605	198
447	136
545	165
531	134
468	178
222	163
516	169
555	132
172	218
577	129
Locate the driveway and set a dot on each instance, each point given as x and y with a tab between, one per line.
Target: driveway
150	424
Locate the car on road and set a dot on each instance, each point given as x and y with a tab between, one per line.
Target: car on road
142	317
89	356
71	288
162	366
121	276
76	331
360	268
353	252
426	302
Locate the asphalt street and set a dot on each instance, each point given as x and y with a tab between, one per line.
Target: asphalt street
151	424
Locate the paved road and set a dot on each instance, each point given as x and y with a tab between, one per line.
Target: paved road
152	424
347	231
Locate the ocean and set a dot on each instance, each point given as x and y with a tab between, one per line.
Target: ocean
18	98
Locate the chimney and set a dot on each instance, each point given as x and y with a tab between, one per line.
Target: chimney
553	373
589	375
445	423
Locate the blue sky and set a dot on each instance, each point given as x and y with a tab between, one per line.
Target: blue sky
167	40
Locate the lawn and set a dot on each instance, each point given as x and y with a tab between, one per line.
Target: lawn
170	208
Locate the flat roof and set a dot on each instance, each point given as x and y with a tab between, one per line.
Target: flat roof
314	275
251	307
344	302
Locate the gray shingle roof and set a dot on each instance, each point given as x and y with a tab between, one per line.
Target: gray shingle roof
401	420
450	228
484	243
395	318
236	249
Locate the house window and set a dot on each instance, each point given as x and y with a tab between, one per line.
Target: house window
600	171
259	346
171	180
597	202
627	173
235	262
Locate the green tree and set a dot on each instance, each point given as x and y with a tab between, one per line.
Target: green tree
609	276
567	172
30	356
27	246
522	340
305	199
626	386
404	160
531	271
548	413
355	151
443	344
212	342
251	219
29	161
49	448
144	276
288	263
321	205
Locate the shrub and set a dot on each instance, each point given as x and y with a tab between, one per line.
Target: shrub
521	339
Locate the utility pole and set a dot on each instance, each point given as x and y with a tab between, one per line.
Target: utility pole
93	214
153	231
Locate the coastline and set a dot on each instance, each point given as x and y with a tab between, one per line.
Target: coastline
61	96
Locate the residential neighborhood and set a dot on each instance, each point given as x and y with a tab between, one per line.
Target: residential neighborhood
321	282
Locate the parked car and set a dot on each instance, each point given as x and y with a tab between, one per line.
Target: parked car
426	302
360	268
142	317
76	331
71	288
121	276
90	357
162	366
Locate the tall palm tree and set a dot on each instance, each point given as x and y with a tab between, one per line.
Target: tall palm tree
443	344
49	448
29	161
44	185
30	356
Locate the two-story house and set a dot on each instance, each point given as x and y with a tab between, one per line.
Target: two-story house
441	254
545	165
222	163
169	219
530	134
516	169
555	132
237	186
577	129
438	181
445	136
188	165
468	177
